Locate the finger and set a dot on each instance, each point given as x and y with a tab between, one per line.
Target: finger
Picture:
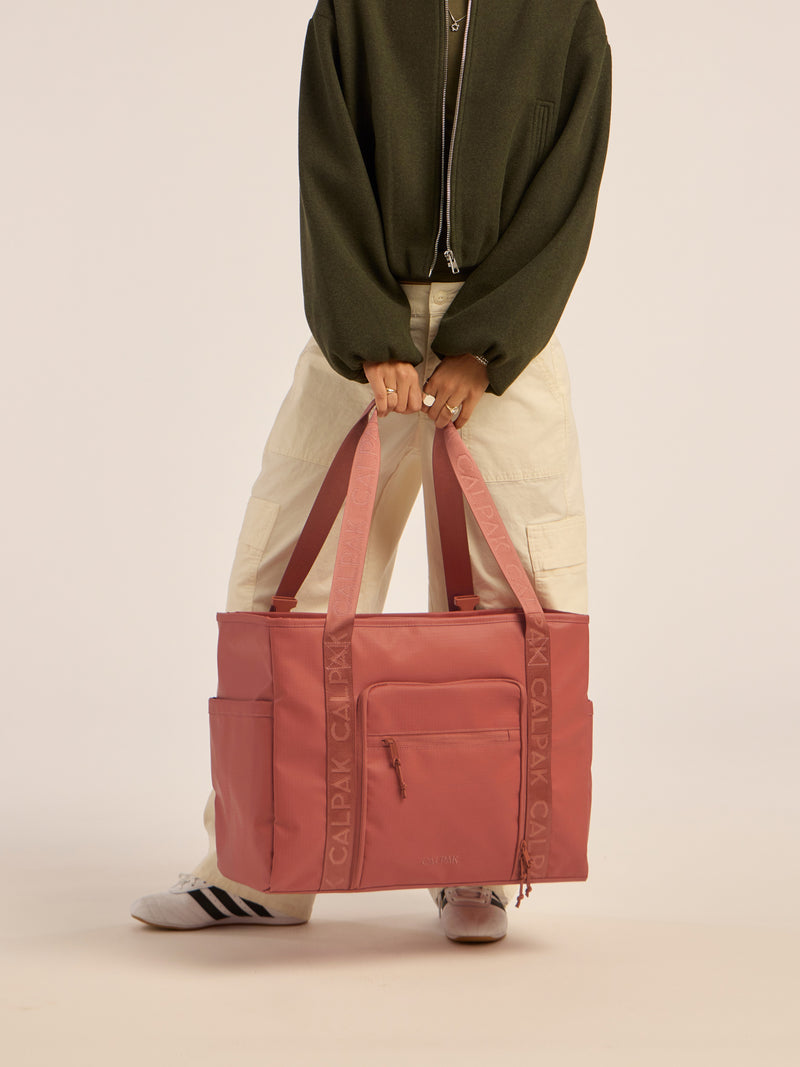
428	390
385	403
438	412
438	389
469	405
402	396
414	399
445	415
437	407
380	398
391	398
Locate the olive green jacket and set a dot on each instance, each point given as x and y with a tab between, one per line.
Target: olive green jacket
511	203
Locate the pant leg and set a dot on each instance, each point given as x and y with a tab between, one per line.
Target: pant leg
318	411
525	445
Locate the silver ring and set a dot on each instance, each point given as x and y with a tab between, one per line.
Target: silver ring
390	390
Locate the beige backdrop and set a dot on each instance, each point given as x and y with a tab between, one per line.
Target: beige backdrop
151	318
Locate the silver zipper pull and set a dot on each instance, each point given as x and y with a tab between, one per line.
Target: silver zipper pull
451	261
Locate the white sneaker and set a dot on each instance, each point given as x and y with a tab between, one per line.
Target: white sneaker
472	913
192	903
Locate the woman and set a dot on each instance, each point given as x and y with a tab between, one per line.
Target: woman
450	158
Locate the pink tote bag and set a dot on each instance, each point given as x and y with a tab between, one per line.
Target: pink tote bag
354	752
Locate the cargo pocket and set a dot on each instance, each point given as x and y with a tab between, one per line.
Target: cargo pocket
241	774
558	560
441	783
259	519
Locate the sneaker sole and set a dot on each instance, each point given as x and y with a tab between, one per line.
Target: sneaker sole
475	939
223	922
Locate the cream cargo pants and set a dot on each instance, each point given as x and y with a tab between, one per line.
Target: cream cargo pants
525	445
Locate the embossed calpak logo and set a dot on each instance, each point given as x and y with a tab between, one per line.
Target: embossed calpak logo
537	657
439	859
339	707
338	667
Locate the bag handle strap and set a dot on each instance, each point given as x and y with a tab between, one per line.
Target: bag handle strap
451	518
448	451
328	503
326	507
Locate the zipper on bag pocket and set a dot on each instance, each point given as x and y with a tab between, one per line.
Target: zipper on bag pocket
394	760
454	737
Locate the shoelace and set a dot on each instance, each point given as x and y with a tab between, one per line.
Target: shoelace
453	894
188	881
469	892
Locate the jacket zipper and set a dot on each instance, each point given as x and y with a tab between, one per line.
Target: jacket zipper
445	189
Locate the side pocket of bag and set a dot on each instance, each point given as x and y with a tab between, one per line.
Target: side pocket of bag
241	774
572	745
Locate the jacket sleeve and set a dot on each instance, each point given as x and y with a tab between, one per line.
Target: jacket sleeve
509	305
354	305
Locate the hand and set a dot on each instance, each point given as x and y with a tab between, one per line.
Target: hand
401	376
457	380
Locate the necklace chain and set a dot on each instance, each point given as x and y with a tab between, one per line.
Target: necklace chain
454	22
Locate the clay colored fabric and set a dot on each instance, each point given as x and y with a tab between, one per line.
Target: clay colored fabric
343	761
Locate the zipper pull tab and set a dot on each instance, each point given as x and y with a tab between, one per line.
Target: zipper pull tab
524	870
394	760
451	261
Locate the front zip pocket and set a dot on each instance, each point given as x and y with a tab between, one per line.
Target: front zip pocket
443	782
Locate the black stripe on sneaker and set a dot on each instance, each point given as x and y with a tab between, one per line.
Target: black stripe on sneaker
258	909
497	901
227	900
206	905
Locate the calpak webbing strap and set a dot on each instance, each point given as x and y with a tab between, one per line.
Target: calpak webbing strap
343	796
452	524
538	816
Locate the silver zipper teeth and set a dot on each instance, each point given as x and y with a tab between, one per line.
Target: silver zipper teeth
444	113
448	252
